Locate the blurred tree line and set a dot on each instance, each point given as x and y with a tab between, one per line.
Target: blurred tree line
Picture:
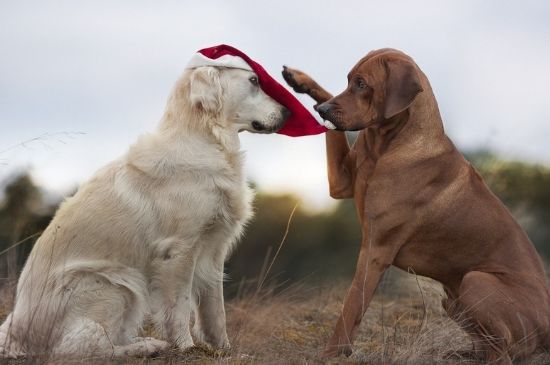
23	215
319	245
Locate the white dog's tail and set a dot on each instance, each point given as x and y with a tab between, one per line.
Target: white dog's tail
8	348
38	324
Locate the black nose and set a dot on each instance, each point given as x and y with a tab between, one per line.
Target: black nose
286	113
257	125
324	109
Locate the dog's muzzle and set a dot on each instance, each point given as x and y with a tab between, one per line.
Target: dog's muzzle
325	111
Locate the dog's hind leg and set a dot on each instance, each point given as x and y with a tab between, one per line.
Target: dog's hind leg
87	337
106	304
503	325
144	346
459	314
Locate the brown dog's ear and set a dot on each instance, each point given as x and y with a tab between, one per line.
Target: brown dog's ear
402	86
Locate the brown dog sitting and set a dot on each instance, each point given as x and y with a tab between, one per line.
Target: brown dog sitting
423	206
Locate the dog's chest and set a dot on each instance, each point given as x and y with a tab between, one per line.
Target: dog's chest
221	205
232	206
211	200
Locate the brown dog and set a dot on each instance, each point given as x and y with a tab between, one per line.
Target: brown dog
423	206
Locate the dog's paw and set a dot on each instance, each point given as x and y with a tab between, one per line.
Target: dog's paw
142	346
297	80
217	342
334	351
185	344
155	346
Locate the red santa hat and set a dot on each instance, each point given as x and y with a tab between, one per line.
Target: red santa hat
300	122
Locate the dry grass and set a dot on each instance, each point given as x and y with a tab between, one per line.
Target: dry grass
407	326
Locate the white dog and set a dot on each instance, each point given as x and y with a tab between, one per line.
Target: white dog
148	233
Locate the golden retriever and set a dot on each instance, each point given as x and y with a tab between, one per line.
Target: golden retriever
148	233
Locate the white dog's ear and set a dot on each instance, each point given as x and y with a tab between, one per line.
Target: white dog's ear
206	89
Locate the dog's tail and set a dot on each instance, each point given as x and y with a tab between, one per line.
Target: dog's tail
8	347
23	332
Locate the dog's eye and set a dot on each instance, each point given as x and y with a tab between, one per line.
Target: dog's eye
253	80
361	84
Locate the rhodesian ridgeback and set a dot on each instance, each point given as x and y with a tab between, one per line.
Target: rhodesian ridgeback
422	206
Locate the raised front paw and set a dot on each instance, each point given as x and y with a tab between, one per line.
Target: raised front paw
297	80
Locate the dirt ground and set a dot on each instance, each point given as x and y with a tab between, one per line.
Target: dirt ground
405	325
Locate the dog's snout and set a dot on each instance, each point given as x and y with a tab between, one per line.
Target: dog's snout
324	109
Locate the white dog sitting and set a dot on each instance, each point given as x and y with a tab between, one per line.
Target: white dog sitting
149	232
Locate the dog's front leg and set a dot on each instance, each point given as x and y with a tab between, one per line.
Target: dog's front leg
340	159
340	165
210	317
373	261
171	289
303	83
210	324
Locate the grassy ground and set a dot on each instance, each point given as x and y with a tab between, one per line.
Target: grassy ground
405	326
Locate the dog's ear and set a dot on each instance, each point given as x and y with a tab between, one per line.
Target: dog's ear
205	90
402	86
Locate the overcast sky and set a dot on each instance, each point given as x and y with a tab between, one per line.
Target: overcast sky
88	77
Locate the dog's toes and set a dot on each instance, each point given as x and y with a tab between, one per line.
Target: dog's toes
155	346
287	75
142	347
290	76
187	346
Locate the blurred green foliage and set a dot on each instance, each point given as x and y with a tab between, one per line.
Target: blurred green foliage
319	245
22	214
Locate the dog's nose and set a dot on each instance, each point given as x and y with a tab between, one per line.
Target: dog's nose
324	109
257	126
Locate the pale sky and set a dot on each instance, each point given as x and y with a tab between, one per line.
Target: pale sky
88	77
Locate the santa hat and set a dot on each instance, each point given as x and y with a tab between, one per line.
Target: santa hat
299	123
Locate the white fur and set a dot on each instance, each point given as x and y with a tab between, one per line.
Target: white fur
148	233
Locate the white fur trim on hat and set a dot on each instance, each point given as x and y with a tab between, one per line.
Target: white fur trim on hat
199	60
